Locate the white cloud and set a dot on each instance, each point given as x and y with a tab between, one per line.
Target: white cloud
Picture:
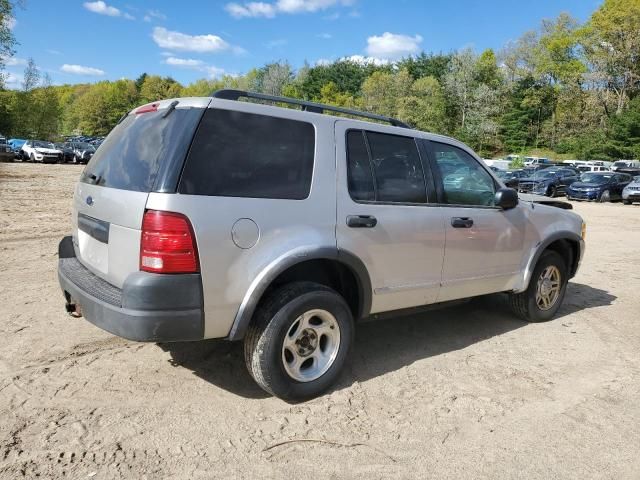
102	8
13	61
13	81
199	65
191	43
81	70
184	62
270	10
359	59
362	60
392	46
154	15
325	36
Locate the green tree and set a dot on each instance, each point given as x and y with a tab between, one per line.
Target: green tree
155	88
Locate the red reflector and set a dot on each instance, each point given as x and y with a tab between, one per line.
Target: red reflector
167	244
152	107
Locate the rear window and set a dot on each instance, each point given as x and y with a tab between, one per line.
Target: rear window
237	154
135	150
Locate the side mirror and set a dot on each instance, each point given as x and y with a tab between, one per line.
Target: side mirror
506	198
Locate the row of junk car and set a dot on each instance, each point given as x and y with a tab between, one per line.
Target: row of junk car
598	181
72	150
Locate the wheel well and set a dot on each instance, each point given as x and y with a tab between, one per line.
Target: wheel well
331	273
569	250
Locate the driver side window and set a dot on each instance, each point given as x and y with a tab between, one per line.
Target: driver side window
464	181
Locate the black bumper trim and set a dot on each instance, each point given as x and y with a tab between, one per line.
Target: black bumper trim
154	307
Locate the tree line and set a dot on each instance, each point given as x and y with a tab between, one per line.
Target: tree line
567	88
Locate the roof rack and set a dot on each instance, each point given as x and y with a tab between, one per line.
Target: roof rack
230	94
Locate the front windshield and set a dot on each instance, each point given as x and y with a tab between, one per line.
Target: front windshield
543	174
38	144
597	178
85	146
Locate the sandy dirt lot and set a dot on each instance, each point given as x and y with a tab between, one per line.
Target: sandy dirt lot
466	392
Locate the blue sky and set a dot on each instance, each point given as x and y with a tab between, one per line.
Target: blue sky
86	41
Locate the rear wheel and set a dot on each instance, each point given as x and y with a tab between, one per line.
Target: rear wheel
299	340
605	196
552	191
542	299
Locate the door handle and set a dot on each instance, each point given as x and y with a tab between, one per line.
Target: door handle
361	221
462	222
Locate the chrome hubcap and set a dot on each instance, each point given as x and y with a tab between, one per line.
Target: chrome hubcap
311	345
548	288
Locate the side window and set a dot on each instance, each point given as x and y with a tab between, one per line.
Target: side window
237	154
360	176
389	170
464	181
397	167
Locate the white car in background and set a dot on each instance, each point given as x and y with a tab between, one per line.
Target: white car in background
40	151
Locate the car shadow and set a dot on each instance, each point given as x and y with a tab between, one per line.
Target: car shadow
386	345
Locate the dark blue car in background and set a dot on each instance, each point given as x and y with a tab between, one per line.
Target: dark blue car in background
599	186
550	181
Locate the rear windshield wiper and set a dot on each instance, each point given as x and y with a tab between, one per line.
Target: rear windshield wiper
171	108
95	178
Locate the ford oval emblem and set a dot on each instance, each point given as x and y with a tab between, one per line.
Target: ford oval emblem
89	200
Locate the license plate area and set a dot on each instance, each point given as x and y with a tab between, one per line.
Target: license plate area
93	242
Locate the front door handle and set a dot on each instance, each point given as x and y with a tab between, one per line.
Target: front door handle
361	221
462	222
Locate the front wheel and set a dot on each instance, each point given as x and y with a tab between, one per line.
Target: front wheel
542	299
552	191
605	196
298	341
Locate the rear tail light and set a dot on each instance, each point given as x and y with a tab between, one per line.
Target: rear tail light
168	244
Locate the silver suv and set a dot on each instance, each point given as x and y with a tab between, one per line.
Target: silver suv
204	218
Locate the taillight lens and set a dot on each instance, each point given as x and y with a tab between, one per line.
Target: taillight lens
168	244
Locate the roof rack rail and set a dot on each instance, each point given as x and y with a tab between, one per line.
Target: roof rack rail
230	94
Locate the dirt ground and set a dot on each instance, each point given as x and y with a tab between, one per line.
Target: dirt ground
466	392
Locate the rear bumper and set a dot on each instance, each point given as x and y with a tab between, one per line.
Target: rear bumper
149	307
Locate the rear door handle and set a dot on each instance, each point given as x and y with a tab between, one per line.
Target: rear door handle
462	222
361	221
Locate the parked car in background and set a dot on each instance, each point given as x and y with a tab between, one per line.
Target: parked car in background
599	186
633	171
625	164
511	178
497	164
82	151
534	161
631	193
16	145
67	152
6	153
550	181
40	151
593	168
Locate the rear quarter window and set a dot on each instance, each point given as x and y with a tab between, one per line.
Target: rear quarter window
238	154
135	150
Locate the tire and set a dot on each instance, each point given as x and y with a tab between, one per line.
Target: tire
275	329
626	202
605	197
32	159
552	191
526	305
